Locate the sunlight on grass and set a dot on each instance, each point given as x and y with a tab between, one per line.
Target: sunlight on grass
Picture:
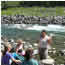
35	11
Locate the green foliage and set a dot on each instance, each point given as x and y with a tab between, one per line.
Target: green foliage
35	11
33	8
33	3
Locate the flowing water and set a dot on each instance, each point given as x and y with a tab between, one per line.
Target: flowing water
31	32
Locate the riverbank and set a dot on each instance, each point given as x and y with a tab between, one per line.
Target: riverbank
21	19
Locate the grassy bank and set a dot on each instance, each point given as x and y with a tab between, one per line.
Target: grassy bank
35	11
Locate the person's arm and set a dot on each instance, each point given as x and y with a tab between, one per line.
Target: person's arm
16	61
49	40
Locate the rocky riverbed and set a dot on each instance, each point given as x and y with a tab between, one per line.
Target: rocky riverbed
21	19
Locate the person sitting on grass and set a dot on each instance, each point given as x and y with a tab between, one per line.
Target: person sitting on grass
29	58
7	56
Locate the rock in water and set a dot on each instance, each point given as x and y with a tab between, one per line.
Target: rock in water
47	62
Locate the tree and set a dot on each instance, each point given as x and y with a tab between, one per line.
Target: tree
4	5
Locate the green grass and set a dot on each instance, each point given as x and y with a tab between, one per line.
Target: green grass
60	11
10	3
35	11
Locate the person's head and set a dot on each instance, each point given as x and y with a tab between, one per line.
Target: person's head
20	51
43	33
7	47
28	53
19	42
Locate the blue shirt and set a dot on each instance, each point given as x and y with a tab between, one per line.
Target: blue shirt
30	62
17	56
6	58
14	55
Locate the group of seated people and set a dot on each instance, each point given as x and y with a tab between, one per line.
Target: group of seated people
19	57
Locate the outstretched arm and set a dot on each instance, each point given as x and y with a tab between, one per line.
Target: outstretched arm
49	40
16	61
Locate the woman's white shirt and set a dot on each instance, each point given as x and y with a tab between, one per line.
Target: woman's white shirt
44	42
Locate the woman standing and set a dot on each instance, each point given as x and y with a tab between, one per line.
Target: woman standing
44	42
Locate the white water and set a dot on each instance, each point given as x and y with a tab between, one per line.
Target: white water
50	27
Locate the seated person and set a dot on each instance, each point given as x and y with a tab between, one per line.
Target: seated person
19	45
17	56
28	58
